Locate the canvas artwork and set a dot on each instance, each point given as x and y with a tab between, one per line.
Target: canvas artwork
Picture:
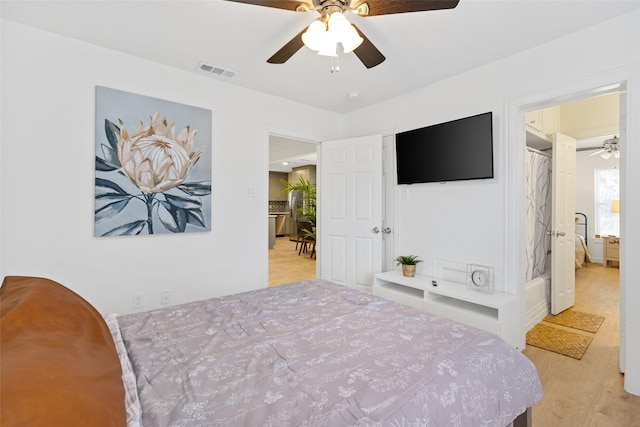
153	165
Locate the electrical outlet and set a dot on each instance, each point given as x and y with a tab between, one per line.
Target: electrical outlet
165	297
138	300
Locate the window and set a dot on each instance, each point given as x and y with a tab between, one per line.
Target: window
607	189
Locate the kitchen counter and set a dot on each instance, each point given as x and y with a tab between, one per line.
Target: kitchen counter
272	230
282	222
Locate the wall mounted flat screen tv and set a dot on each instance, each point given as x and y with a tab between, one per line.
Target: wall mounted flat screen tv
453	151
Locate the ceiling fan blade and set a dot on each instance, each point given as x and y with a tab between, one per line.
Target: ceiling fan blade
367	52
596	153
287	51
293	5
389	7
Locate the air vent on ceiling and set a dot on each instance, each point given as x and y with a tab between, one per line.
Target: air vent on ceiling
215	70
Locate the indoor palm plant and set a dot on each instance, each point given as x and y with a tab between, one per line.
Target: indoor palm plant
308	190
408	263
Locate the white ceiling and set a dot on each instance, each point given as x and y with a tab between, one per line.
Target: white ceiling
421	47
286	154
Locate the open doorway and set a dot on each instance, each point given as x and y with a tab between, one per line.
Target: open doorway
593	122
290	257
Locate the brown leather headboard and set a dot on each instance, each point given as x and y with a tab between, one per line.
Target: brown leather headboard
59	365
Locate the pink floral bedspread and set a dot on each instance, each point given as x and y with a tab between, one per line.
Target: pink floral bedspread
317	353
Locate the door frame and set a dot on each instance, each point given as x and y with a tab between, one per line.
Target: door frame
515	109
310	140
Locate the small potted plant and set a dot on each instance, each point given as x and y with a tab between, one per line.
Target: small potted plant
408	263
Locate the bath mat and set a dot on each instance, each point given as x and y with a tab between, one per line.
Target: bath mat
577	320
558	340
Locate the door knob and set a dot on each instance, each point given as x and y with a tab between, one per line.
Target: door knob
560	233
386	230
375	230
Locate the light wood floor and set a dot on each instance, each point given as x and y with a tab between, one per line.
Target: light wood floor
286	266
588	392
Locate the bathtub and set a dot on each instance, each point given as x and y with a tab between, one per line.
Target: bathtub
538	293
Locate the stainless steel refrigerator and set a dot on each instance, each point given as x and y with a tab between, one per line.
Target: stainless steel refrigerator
295	206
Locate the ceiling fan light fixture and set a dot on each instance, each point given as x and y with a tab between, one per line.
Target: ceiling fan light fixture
338	25
606	155
343	32
329	49
352	40
323	36
315	38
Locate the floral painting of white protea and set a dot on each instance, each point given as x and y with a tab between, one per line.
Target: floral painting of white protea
144	177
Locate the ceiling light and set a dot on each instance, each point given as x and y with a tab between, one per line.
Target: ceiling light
315	36
324	35
341	30
328	49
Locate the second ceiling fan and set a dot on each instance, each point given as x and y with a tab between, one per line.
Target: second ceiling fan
333	28
610	147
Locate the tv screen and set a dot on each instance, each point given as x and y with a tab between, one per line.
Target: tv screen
453	151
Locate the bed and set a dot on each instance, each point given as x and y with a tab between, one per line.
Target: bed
311	353
582	252
582	249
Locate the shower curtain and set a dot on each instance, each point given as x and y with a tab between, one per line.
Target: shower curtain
538	211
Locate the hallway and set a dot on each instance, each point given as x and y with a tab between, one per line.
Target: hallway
588	392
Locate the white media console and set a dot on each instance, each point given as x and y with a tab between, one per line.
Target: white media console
491	312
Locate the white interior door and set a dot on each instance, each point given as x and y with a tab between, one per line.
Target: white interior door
563	185
350	210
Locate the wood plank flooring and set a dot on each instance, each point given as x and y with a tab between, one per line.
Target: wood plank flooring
588	392
286	266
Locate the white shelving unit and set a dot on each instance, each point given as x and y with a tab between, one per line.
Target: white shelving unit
494	312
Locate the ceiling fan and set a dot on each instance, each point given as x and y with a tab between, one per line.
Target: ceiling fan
332	27
609	147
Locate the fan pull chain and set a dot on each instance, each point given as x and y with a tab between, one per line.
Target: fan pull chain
335	68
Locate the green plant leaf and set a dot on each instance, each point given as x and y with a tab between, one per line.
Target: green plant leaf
407	260
308	210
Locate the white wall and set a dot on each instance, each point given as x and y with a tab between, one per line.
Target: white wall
585	194
474	221
47	193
